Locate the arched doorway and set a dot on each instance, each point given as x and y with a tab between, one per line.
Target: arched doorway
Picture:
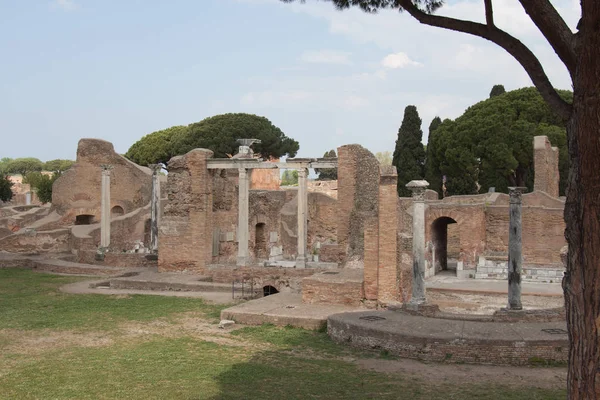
117	211
260	241
84	219
269	290
446	244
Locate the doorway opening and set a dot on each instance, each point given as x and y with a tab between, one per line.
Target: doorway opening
269	290
84	219
260	241
446	244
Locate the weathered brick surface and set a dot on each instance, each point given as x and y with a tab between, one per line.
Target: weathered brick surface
343	288
185	233
282	279
358	183
77	191
55	241
470	223
543	233
545	160
372	238
388	289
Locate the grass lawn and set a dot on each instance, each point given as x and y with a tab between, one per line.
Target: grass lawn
60	346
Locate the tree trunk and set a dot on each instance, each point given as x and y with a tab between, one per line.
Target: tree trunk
581	283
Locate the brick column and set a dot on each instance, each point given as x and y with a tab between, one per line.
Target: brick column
388	236
515	249
242	232
302	217
154	208
105	208
185	230
418	249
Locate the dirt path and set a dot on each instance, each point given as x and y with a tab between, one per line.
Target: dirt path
438	374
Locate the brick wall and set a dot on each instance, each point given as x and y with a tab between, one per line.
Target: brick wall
387	276
545	159
77	191
358	183
543	233
185	232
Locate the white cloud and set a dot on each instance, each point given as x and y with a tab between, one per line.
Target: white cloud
67	5
326	57
353	102
398	60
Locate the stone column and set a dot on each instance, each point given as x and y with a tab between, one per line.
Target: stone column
515	249
105	208
302	217
242	233
154	207
418	250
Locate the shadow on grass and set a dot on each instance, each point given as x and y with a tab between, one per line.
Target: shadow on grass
308	364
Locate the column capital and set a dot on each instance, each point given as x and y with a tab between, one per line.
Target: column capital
302	172
106	168
155	168
418	188
515	193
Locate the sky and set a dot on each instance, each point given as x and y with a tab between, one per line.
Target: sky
120	69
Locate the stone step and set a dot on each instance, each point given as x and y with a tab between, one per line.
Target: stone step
201	285
66	267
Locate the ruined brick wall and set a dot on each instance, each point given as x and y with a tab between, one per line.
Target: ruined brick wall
330	188
77	191
358	188
125	231
264	222
265	179
545	159
322	219
387	273
185	232
470	223
225	213
543	233
404	248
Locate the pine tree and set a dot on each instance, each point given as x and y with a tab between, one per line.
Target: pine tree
327	174
409	155
497	90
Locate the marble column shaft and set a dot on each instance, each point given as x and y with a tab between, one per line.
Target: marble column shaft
515	249
418	239
154	207
302	217
242	234
105	208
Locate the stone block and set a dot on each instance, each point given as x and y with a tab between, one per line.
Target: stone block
273	237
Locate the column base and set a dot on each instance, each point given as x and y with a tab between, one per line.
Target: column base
242	262
100	253
301	262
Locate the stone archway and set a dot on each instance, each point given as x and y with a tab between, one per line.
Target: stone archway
446	244
84	219
269	290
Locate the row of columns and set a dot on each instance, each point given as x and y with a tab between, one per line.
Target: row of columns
515	253
242	231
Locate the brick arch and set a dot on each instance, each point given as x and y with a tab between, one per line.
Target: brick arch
470	221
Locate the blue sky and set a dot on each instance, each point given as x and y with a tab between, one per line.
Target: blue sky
118	70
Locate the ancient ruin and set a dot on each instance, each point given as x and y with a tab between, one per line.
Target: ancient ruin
229	222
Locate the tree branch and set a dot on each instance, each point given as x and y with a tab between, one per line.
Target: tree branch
513	46
554	29
489	12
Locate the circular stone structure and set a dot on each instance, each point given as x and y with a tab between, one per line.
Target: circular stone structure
504	340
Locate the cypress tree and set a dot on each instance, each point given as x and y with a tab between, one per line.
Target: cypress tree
433	174
409	155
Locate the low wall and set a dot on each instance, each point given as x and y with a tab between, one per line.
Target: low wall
281	278
126	260
497	268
